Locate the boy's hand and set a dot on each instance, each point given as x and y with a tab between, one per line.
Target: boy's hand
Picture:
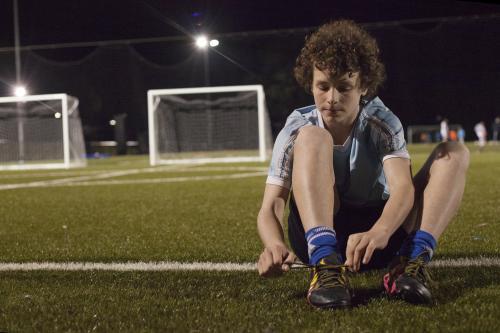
274	260
362	245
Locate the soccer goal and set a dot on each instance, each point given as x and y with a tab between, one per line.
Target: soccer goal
210	124
40	132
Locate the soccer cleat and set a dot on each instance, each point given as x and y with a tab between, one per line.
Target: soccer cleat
409	280
329	286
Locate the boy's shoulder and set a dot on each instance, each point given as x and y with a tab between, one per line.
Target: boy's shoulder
306	112
376	114
304	115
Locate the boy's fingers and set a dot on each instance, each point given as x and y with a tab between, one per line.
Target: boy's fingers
351	246
263	264
290	258
358	253
368	254
277	256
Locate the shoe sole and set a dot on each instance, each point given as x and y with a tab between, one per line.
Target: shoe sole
331	306
417	298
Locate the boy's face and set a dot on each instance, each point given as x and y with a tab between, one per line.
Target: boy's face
337	98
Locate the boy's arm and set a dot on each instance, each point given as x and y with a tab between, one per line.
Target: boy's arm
361	245
276	257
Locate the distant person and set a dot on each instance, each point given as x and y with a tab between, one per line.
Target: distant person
354	203
481	134
453	135
495	129
437	136
444	130
461	135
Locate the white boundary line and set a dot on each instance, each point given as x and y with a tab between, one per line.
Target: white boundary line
82	181
200	266
88	180
168	168
166	180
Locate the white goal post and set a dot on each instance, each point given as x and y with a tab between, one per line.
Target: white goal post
208	124
40	132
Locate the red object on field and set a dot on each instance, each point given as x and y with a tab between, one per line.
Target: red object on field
453	135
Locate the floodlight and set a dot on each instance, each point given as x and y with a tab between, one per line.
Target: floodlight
214	42
202	42
112	122
57	115
20	91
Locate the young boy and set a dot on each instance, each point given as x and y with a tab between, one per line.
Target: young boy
354	203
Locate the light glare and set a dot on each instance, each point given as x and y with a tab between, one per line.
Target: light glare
214	42
20	91
57	115
112	122
202	42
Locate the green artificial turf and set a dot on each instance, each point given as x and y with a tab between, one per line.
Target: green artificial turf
213	220
467	301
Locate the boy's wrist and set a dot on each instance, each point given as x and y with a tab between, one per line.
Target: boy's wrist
380	228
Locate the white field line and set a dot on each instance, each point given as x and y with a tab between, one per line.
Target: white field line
88	180
127	266
85	173
174	168
200	266
165	180
67	183
20	174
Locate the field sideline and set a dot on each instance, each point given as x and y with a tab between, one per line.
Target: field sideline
177	229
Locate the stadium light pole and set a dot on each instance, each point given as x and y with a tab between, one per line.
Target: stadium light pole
203	43
16	46
18	90
206	68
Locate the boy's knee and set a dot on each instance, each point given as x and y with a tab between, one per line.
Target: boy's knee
455	152
313	137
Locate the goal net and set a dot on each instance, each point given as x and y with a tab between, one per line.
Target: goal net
40	132
210	124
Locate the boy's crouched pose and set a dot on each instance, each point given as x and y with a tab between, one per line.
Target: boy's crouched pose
344	165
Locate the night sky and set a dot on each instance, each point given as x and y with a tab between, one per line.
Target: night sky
63	21
263	39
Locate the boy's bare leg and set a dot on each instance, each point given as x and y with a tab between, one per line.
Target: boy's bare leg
313	178
439	187
313	187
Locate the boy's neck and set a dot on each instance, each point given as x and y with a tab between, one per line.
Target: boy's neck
340	131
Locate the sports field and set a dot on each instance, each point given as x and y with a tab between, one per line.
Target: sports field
152	222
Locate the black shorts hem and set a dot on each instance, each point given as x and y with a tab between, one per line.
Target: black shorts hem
348	221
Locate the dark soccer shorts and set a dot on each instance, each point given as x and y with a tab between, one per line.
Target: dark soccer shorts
348	220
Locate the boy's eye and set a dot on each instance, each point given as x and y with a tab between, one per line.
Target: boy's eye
323	87
344	88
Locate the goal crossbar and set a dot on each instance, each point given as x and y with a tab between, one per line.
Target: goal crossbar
153	102
65	114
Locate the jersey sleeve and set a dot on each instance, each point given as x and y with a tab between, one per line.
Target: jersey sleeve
280	169
387	135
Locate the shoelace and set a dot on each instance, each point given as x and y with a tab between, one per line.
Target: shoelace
329	275
416	268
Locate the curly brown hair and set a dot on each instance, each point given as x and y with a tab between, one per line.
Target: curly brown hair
339	47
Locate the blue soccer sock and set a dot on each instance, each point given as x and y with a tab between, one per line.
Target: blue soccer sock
418	242
321	242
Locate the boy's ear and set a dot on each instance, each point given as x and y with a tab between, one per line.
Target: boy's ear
364	91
